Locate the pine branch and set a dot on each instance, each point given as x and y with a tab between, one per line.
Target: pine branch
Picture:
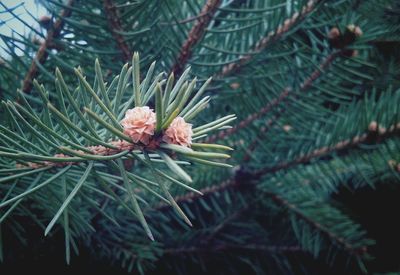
195	34
325	231
285	94
272	37
115	28
42	53
374	135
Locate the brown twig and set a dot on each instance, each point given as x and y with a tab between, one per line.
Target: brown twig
275	102
272	37
306	84
195	34
97	150
250	118
374	136
42	53
116	27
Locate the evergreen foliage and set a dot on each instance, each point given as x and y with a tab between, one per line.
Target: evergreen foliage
314	85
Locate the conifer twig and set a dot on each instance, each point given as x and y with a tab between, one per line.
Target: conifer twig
374	135
250	118
114	147
272	37
195	34
229	184
116	27
307	83
325	231
42	53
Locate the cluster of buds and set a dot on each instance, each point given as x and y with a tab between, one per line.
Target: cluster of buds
140	124
341	40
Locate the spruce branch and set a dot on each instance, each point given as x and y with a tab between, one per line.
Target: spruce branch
42	53
350	248
374	135
116	28
251	118
195	35
271	38
340	241
283	96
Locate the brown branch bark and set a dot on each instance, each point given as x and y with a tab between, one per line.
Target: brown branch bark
115	27
250	118
272	37
118	146
195	34
371	137
307	83
42	53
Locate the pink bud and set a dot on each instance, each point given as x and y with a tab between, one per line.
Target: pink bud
139	124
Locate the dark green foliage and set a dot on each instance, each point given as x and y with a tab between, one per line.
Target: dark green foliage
315	87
